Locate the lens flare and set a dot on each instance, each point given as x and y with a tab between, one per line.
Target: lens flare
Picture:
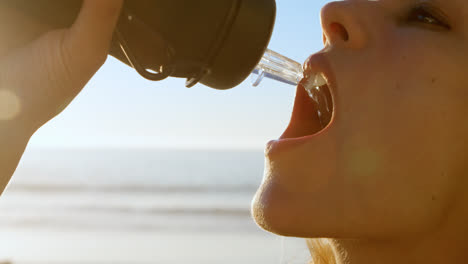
10	105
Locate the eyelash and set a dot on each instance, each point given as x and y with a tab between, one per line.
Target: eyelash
427	13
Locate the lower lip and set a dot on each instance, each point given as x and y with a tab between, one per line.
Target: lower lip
275	147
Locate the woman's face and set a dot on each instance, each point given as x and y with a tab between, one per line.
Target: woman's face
392	161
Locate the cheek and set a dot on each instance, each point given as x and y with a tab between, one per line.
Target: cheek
397	147
396	178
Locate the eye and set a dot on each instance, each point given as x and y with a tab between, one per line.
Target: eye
426	15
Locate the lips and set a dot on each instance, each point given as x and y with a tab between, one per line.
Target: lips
314	107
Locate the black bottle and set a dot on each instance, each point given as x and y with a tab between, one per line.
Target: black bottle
215	42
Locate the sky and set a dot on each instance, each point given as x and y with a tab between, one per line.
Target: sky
120	109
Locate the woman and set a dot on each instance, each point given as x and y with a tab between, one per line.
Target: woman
381	172
386	178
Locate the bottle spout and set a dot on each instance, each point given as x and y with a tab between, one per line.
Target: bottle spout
277	67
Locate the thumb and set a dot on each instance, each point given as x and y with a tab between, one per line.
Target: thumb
91	34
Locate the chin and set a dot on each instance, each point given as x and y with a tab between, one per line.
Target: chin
286	213
271	210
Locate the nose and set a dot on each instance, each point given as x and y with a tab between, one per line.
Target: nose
342	24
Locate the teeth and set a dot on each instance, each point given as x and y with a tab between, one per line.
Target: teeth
314	83
319	80
314	87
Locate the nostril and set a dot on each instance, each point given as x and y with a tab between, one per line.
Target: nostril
340	30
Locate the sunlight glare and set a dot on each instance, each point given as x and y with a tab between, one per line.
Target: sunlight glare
10	105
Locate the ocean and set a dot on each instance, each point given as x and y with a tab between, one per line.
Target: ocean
138	206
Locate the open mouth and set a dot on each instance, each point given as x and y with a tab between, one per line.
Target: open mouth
314	105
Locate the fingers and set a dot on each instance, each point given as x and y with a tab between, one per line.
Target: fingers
91	34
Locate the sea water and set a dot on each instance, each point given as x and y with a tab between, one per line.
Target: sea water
137	206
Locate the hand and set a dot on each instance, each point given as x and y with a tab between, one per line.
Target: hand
39	79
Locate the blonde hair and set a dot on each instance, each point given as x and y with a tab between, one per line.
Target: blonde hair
322	251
